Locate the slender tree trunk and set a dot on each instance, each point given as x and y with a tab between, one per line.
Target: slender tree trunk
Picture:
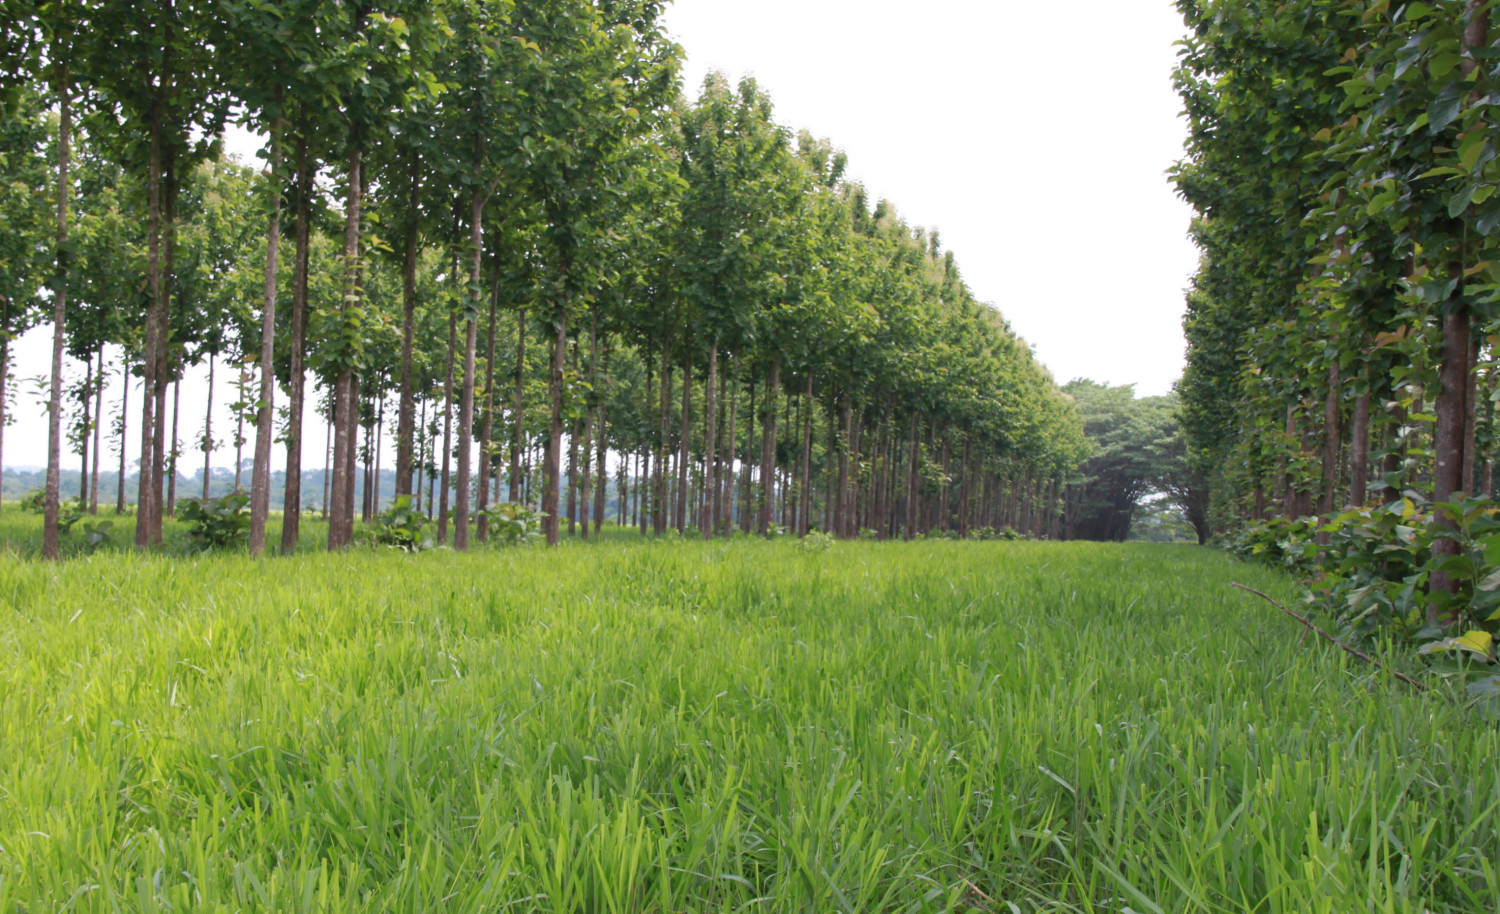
518	441
553	468
150	343
912	473
98	426
804	485
684	440
588	422
341	508
291	501
710	522
175	452
406	410
260	475
768	447
1448	437
444	478
1359	452
208	428
659	496
1331	439
1471	411
1289	498
124	427
328	456
487	436
164	341
600	434
239	430
471	341
87	428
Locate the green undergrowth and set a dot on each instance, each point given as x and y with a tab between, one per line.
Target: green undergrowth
739	726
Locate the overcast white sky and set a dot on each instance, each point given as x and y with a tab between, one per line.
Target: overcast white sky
1035	143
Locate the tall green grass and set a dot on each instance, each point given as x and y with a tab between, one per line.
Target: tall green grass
731	726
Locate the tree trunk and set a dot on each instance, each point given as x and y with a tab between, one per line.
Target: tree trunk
710	522
208	428
804	488
1471	410
553	468
149	346
260	474
684	440
659	508
518	440
768	447
1289	498
444	477
174	453
487	435
1331	440
600	434
87	428
466	403
406	409
291	501
124	427
53	494
587	498
1448	438
1359	451
98	427
164	341
341	506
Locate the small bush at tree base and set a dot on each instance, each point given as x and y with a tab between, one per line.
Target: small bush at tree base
216	523
400	527
514	524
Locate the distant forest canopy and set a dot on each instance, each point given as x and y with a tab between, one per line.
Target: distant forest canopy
500	236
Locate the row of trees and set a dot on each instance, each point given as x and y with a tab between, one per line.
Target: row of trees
1342	161
445	183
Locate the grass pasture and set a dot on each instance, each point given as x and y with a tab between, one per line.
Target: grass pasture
743	726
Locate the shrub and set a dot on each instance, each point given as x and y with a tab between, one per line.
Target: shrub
514	524
815	542
400	527
216	523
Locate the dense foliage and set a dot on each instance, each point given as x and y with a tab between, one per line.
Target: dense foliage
1343	163
498	234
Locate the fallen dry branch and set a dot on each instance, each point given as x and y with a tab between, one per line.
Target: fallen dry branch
1331	639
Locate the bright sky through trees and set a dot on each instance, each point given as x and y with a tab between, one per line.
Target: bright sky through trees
1036	144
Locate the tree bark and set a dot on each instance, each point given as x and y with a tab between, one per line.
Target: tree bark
466	403
768	447
148	350
553	460
173	454
518	437
487	436
53	495
260	474
684	440
602	462
341	505
291	501
711	499
444	478
98	429
406	409
1359	451
804	486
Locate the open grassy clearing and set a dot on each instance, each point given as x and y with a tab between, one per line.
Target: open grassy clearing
737	726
